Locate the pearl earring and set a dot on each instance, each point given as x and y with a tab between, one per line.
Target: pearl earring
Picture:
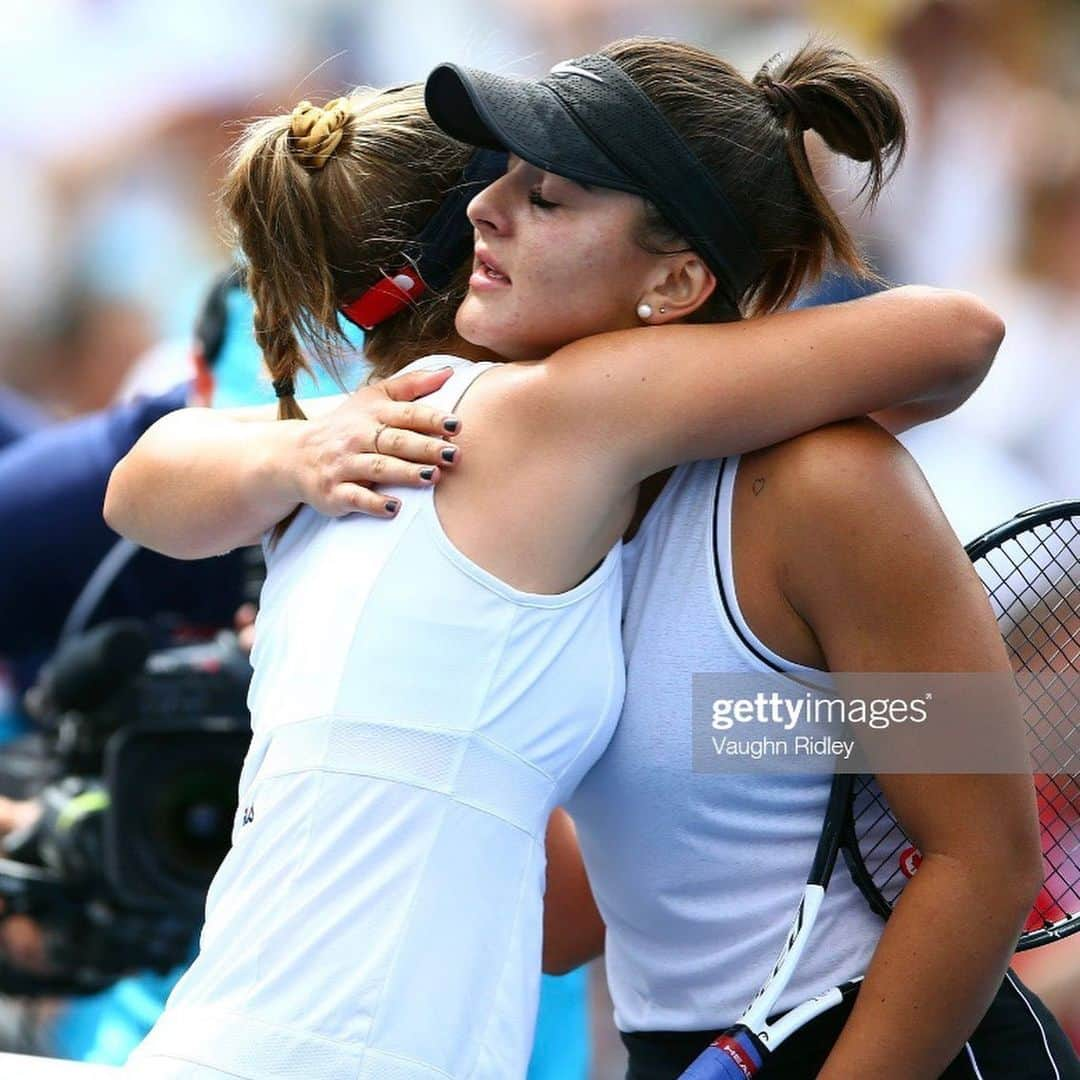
644	311
662	309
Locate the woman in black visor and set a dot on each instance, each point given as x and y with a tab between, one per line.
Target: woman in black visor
828	554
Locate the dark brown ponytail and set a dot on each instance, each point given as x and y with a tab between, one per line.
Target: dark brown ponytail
823	89
750	135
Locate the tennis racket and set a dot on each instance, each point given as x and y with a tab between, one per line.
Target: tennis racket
1030	567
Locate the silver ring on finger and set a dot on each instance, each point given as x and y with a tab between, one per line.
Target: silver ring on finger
381	429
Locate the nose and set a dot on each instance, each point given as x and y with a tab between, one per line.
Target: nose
488	211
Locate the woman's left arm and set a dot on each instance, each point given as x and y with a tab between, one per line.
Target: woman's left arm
200	481
871	565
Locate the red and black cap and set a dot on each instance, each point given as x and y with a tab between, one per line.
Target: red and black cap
589	121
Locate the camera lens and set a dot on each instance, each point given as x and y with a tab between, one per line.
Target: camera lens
192	820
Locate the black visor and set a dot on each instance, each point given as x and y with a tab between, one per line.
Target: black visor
588	120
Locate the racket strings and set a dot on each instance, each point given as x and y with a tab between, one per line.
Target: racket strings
870	819
1045	561
1022	620
1033	580
1043	636
1029	568
880	839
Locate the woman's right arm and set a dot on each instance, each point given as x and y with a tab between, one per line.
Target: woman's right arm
664	395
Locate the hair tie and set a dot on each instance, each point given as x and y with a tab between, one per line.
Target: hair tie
784	101
315	132
284	387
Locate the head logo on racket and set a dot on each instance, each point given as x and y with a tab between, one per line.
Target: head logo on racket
743	1061
910	861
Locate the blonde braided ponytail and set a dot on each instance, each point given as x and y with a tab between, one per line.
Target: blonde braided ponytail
315	131
316	236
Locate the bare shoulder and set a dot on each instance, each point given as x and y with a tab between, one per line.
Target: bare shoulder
499	405
848	513
529	392
507	431
857	448
842	474
868	559
505	382
523	409
528	504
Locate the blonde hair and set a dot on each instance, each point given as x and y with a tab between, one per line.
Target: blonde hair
322	202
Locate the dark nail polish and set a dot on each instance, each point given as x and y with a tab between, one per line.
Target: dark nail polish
391	506
448	453
451	425
428	473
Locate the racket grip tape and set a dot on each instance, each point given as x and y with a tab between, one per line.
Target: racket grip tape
735	1053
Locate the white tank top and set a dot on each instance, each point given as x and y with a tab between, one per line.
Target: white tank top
415	722
698	876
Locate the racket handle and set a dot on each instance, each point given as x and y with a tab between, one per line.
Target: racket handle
735	1054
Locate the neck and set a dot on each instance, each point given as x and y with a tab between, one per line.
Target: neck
456	345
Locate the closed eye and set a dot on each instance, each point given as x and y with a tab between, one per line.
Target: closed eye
539	201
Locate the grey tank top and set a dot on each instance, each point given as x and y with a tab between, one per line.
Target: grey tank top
698	876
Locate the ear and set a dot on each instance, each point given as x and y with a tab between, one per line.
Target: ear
686	285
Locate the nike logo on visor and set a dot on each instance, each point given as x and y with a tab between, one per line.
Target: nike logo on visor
569	69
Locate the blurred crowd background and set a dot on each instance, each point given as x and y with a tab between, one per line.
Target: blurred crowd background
119	113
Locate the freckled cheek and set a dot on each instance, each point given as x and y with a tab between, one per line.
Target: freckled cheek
566	283
603	286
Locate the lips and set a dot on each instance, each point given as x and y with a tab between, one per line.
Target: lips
485	265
